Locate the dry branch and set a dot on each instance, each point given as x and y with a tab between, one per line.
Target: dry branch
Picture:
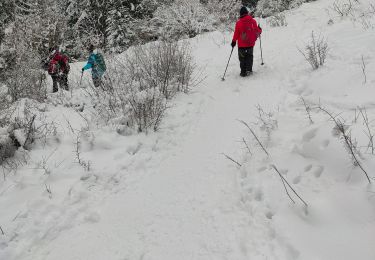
247	146
308	109
369	134
231	159
285	181
363	67
347	140
255	136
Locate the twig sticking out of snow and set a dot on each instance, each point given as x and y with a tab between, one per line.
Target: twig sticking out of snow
48	189
315	51
85	164
363	67
347	140
247	146
230	158
283	180
30	130
308	110
255	136
369	134
2	231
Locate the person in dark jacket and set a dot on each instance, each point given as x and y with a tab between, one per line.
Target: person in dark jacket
246	33
58	68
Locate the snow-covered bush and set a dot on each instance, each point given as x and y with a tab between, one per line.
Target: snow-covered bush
267	8
277	20
138	86
183	18
315	51
20	125
22	51
166	66
147	108
224	11
343	7
27	79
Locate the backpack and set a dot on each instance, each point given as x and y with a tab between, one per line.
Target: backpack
100	63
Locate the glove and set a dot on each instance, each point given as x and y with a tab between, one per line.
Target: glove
83	70
233	44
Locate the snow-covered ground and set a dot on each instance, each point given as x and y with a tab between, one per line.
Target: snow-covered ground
173	194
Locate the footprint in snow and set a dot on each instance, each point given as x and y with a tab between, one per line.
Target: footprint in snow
297	180
318	172
262	169
309	135
325	143
308	167
269	214
258	195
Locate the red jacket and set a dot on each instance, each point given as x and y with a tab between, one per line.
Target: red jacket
58	64
246	32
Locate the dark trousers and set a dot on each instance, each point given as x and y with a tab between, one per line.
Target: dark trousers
97	81
246	57
60	80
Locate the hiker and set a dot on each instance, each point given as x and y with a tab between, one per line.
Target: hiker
246	33
97	65
58	68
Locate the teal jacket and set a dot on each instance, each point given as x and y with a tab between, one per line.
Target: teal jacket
92	64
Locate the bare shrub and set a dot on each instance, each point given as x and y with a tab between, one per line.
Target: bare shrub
23	74
277	20
20	125
26	80
166	66
368	132
315	51
148	108
343	7
350	144
137	87
266	122
307	109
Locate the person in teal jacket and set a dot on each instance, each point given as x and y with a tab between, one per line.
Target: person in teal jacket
96	64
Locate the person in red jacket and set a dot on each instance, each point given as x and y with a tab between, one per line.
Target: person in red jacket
246	33
58	68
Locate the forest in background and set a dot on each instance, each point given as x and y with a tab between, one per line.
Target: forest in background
30	28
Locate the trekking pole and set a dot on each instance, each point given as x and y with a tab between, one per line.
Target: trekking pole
223	78
260	41
80	81
261	50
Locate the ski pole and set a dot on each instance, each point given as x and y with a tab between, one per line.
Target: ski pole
260	41
80	81
223	78
261	50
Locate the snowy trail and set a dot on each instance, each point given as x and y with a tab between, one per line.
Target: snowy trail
173	195
188	206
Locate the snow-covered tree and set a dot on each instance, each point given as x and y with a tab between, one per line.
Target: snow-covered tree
6	16
269	7
182	18
120	24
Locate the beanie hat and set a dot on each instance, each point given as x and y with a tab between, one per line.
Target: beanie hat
91	48
244	11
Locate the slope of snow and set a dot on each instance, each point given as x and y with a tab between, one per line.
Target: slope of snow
174	195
